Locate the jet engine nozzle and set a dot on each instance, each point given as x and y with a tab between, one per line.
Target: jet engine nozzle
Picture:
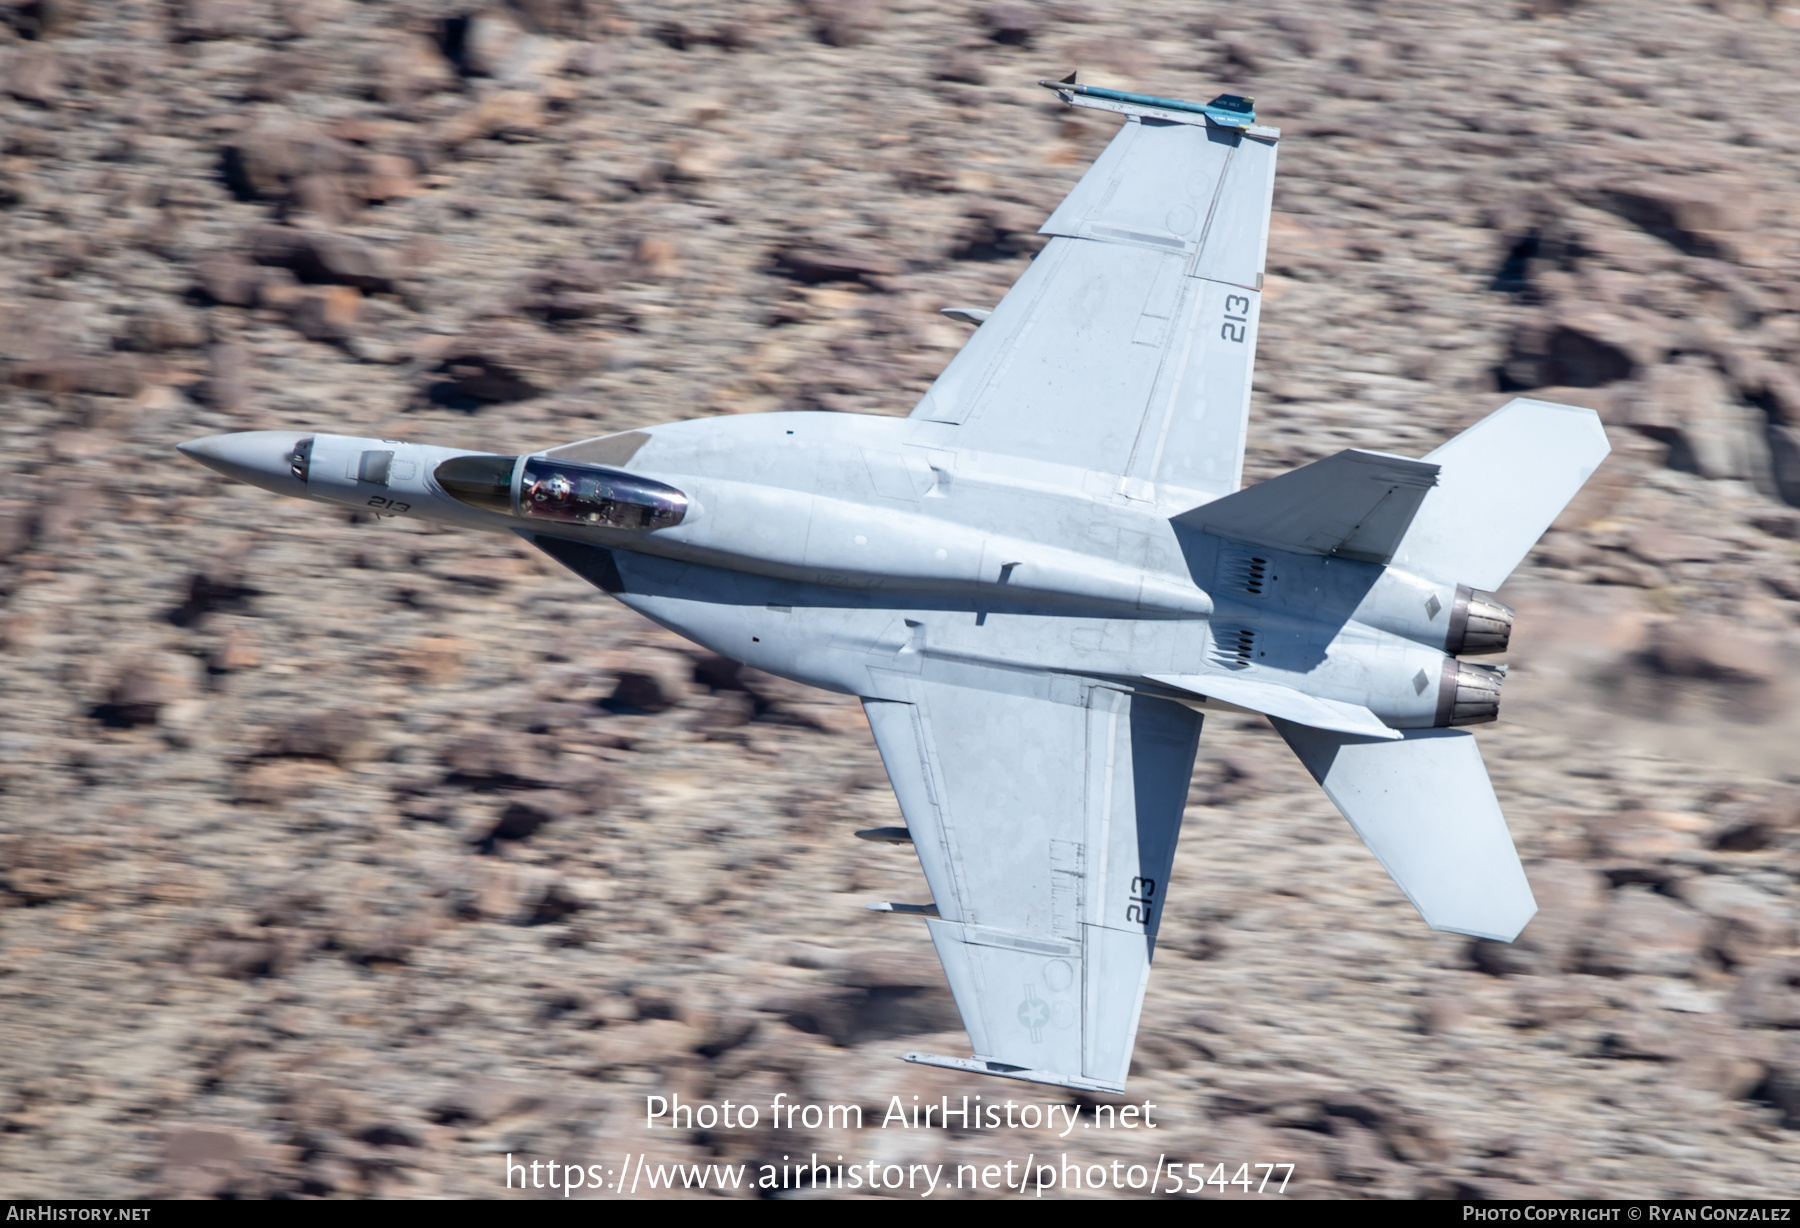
1468	694
1479	623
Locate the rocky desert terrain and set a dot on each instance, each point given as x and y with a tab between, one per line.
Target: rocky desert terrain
344	857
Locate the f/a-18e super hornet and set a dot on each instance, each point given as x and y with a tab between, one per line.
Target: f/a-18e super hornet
1041	580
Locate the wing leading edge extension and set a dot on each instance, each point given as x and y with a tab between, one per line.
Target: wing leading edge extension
1046	831
1127	346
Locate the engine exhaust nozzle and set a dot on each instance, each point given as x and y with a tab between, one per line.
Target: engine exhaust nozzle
1479	623
1468	694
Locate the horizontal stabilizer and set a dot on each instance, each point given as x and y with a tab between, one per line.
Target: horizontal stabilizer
1284	702
1425	808
1355	505
1503	481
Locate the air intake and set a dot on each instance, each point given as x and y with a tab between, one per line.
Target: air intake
1468	694
1479	623
1233	647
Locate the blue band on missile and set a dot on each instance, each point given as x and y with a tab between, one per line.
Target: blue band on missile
1229	110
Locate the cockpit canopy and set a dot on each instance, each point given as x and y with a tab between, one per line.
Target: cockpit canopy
562	491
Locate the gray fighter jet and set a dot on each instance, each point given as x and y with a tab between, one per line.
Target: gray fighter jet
1042	579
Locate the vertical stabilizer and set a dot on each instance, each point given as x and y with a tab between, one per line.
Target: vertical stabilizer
1500	484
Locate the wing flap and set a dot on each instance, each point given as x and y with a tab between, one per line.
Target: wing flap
1426	809
1272	699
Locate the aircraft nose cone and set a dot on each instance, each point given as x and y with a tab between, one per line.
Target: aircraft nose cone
261	458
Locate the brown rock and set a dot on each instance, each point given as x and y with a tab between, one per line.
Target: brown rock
1636	836
519	112
650	680
484	1098
562	18
243	959
278	782
493	760
226	386
487	41
996	231
219	587
18	526
386	177
41	19
657	257
267	161
237	652
844	23
434	660
1013	24
825	261
1545	1001
321	258
163	329
1773	388
1569	894
499	362
1780	1088
1755	826
1779	524
1640	932
280	74
138	693
340	736
853	1015
1746	924
1586	350
33	75
1710	650
209	1161
1441	1013
959	65
326	197
1697	215
409	68
115	377
228	280
891	970
1662	546
526	813
327	313
200	20
1691	408
1784	457
1768	994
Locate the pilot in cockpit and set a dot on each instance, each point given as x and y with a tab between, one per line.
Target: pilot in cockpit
551	494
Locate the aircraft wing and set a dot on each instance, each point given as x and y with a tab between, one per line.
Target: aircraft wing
1046	831
1127	346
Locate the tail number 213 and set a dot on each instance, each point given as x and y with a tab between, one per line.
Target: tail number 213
1237	317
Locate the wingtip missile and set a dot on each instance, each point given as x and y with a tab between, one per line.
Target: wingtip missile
1225	110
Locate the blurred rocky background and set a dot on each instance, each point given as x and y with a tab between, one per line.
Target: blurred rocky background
342	857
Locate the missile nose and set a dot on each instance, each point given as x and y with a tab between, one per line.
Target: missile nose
260	458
